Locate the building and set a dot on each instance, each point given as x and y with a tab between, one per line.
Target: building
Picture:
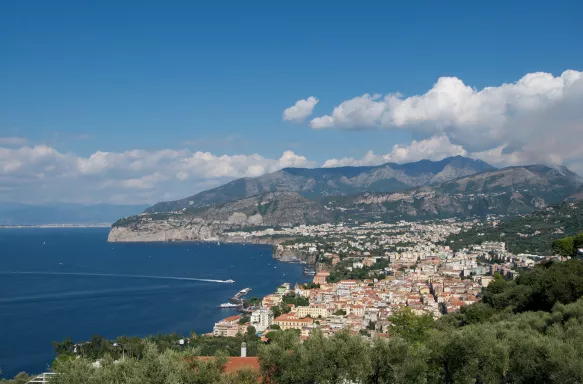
228	327
271	300
261	319
320	277
314	311
290	321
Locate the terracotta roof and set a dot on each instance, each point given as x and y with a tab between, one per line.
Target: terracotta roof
236	363
231	318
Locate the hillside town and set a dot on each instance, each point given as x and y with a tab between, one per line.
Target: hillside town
367	273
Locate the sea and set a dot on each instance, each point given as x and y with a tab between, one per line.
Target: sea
70	282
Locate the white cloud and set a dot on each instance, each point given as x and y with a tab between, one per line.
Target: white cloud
536	119
41	173
435	148
300	110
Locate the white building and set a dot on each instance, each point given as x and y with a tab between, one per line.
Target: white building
261	319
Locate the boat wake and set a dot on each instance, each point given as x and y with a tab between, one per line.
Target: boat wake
121	276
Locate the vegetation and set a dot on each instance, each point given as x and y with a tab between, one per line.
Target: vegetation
532	233
528	330
133	347
292	298
341	271
568	246
21	378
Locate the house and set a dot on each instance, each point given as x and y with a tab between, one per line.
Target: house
228	327
291	321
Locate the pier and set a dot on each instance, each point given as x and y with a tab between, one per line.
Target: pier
238	298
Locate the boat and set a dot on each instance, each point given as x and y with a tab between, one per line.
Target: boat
228	305
229	281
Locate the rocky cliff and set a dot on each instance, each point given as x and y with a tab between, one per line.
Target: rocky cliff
266	210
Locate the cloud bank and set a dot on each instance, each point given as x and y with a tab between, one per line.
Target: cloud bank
301	110
537	119
40	173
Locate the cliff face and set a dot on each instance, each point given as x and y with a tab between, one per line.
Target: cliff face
293	255
162	230
267	210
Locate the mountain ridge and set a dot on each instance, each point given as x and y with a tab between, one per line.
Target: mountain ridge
316	183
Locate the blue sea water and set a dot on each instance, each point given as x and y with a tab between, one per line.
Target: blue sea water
65	296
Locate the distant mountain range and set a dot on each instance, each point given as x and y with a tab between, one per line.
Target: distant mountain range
453	187
506	191
24	214
318	183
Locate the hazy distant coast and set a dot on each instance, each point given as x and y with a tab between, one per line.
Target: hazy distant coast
95	225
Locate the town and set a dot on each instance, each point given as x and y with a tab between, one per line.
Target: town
366	273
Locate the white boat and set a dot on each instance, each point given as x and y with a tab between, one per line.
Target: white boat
228	305
229	281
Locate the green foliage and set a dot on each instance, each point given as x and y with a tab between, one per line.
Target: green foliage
340	312
21	378
292	298
542	227
564	246
539	289
409	326
243	320
341	272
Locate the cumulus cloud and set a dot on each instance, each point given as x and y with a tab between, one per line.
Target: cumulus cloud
435	148
41	173
300	110
535	119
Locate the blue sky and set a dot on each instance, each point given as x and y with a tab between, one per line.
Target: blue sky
116	76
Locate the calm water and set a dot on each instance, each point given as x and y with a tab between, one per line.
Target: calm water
36	309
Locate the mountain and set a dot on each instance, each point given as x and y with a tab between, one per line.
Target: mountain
551	181
24	214
266	210
318	183
506	191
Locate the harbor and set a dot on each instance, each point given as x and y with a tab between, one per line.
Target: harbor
237	300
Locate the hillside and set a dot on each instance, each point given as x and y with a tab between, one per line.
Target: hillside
532	233
269	209
507	191
322	182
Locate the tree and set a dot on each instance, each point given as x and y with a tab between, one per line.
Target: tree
275	326
64	347
243	320
251	331
276	311
409	326
564	246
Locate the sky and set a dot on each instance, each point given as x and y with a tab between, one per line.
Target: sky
141	101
